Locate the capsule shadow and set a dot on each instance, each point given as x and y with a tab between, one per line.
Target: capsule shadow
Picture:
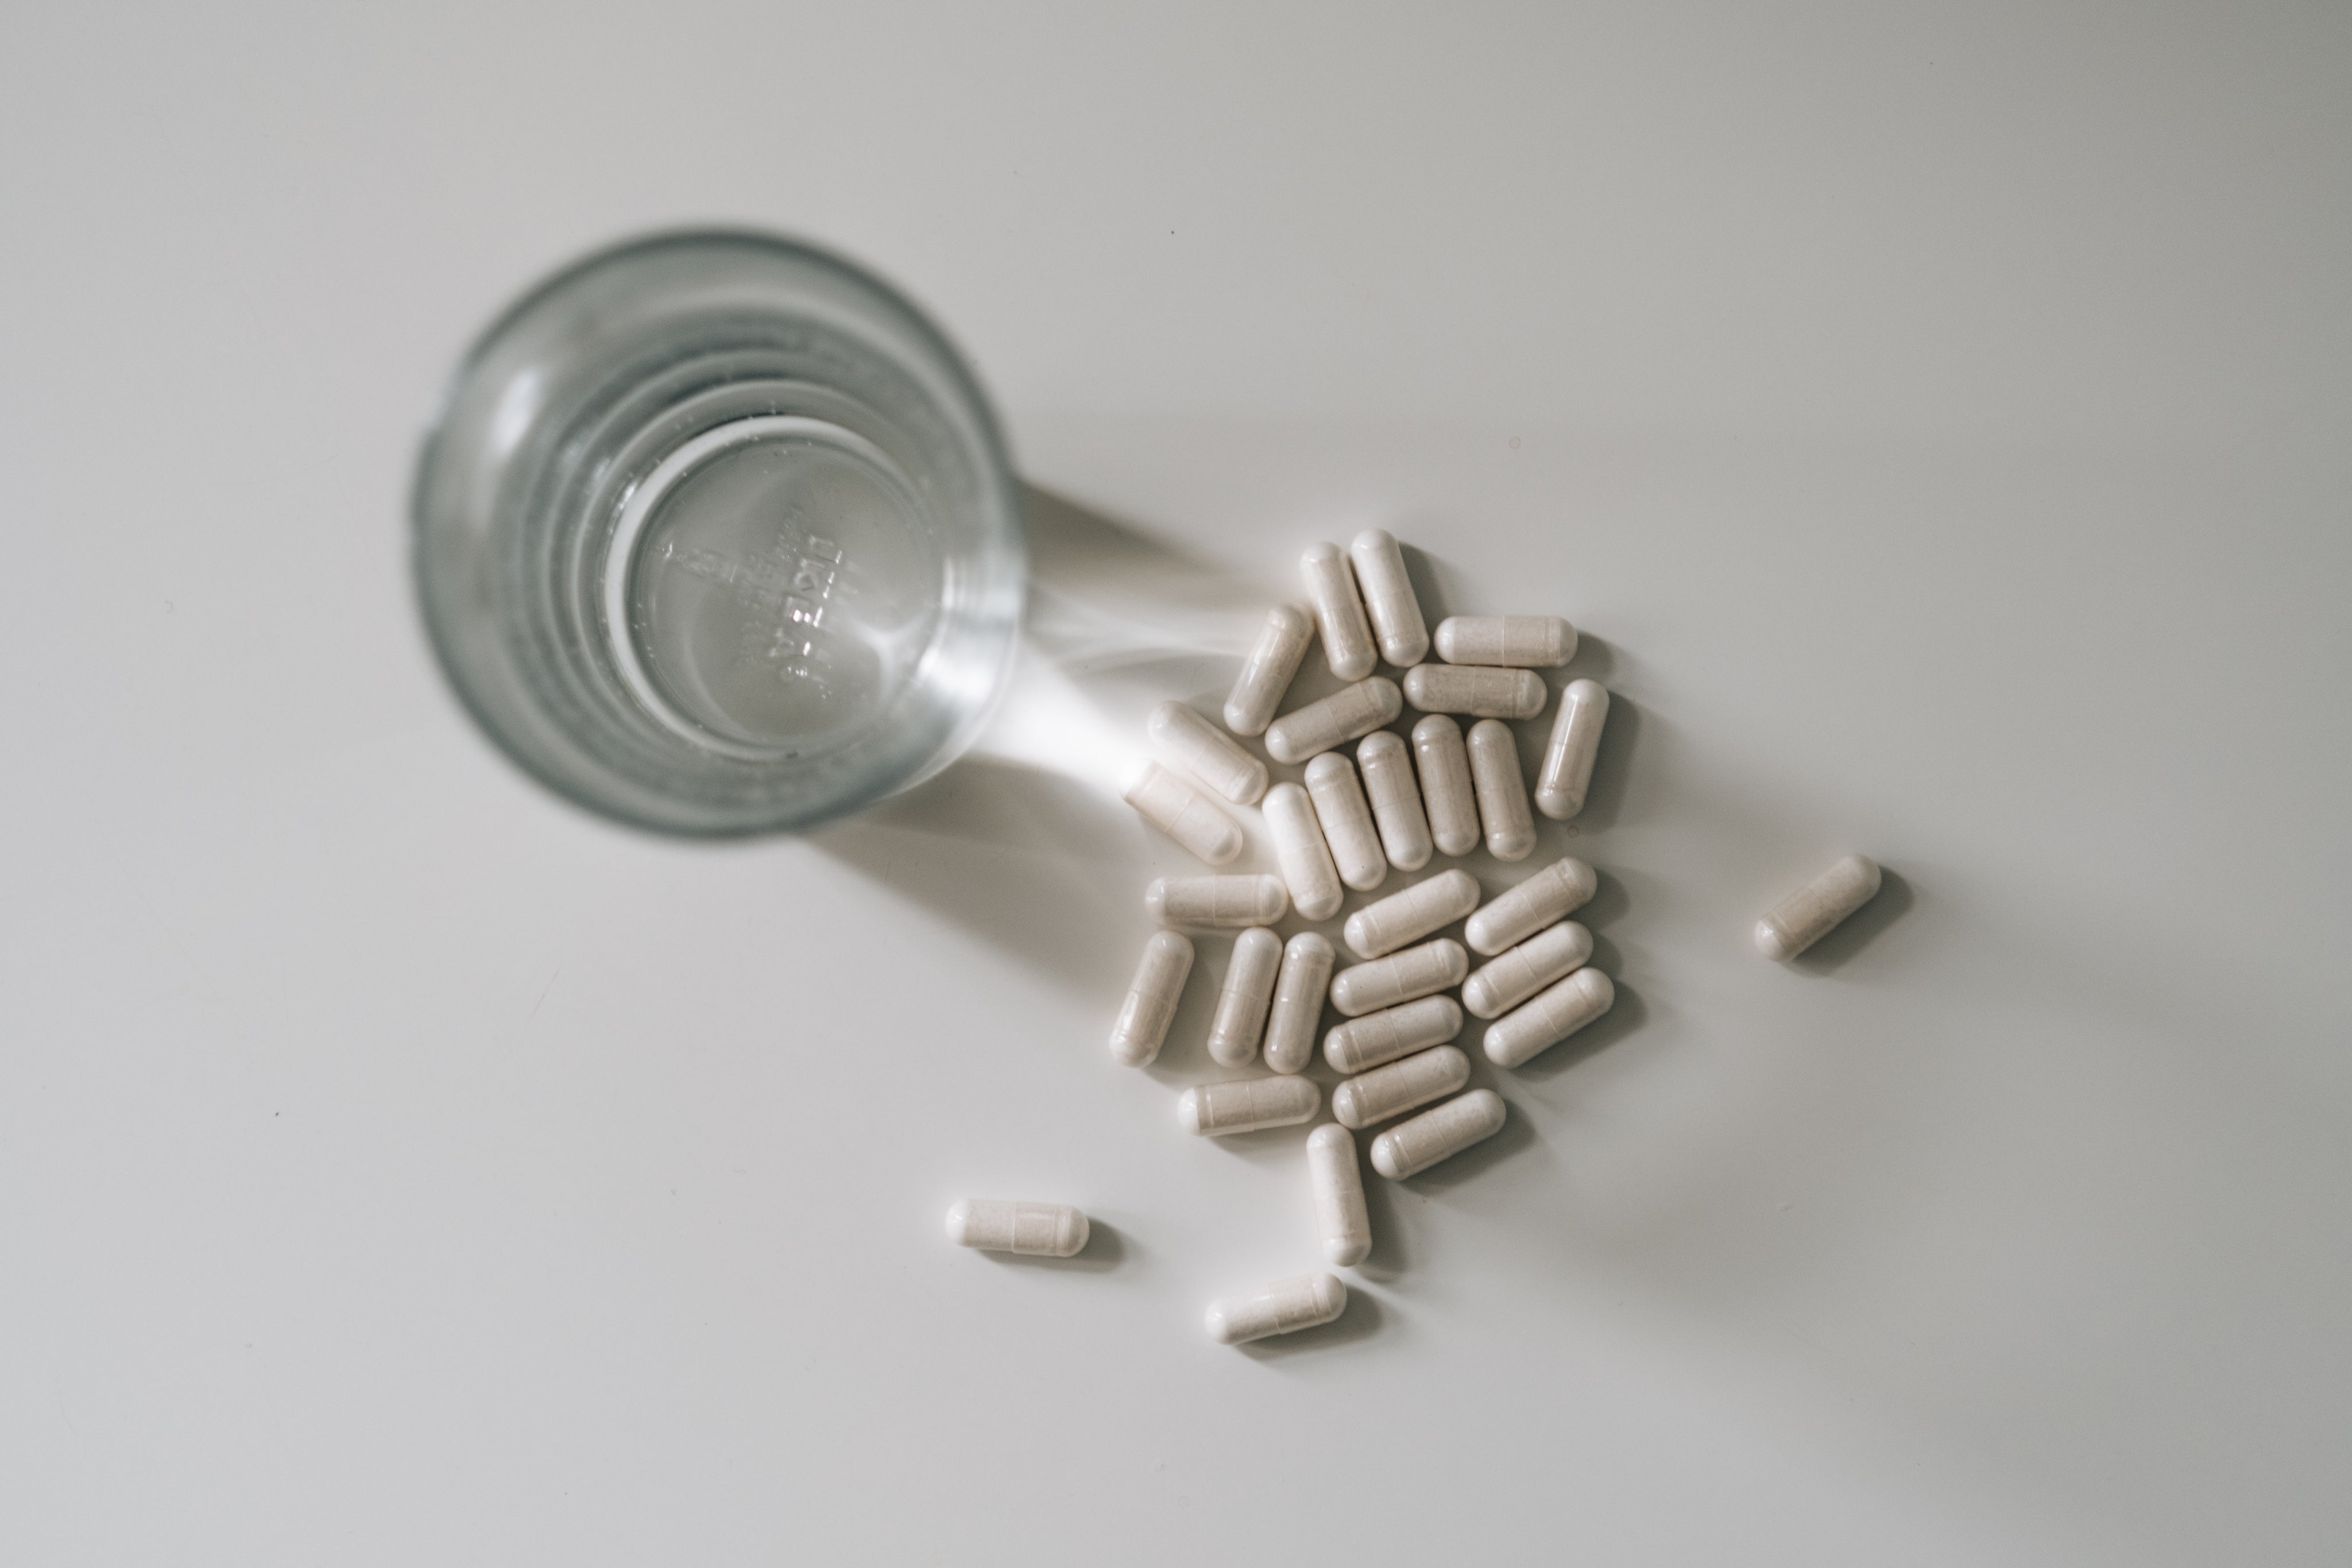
1358	1320
1620	735
1892	900
1105	1249
1436	584
1389	1257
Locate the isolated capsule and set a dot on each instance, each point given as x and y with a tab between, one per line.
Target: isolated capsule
1567	770
1386	763
1556	1013
1296	1015
1338	611
1403	977
1266	674
1529	641
1346	715
1243	999
1185	814
1032	1230
1284	1307
1502	792
1246	1104
1300	851
1389	597
1338	1187
1445	785
1813	911
1366	1043
1217	901
1347	819
1401	1086
1410	1148
1411	913
1207	753
1558	890
1150	1005
1552	954
1468	688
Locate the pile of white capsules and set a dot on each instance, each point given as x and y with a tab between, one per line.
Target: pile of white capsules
1345	828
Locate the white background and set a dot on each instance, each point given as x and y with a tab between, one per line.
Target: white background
1936	416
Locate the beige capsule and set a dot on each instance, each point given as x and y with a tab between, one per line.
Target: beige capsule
1246	1104
1347	819
1445	785
1243	999
1401	976
1297	1011
1529	641
1266	674
1207	753
1386	763
1389	597
1413	1147
1556	1013
1284	1307
1471	689
1346	715
1567	770
1150	1005
1338	611
1502	792
1381	928
1551	953
1814	910
1032	1230
1300	851
1253	899
1558	890
1368	1041
1401	1086
1174	806
1338	1187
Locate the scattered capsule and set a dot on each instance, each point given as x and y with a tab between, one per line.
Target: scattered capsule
1347	819
1413	1147
1366	1043
1814	910
1387	765
1243	1000
1445	784
1217	901
1502	793
1284	1307
1401	976
1032	1230
1207	753
1338	1195
1344	715
1246	1104
1552	893
1389	596
1551	953
1555	1014
1272	665
1401	1086
1339	612
1299	850
1473	689
1567	770
1178	810
1150	1005
1529	641
1297	1011
1382	928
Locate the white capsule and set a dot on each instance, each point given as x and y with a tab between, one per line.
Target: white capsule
1347	819
1345	715
1386	763
1552	954
1381	928
1502	792
1531	641
1469	688
1401	1086
1150	1005
1284	1307
1178	810
1217	901
1339	612
1552	893
1401	976
1297	1011
1445	784
1567	770
1246	1104
1339	1188
1413	1147
1243	1000
1389	596
1554	1014
1299	850
1813	911
1272	665
1366	1043
1032	1230
1207	753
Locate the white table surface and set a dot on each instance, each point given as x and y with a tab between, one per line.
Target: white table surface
1936	416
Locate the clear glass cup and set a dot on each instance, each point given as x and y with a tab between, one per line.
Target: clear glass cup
715	533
